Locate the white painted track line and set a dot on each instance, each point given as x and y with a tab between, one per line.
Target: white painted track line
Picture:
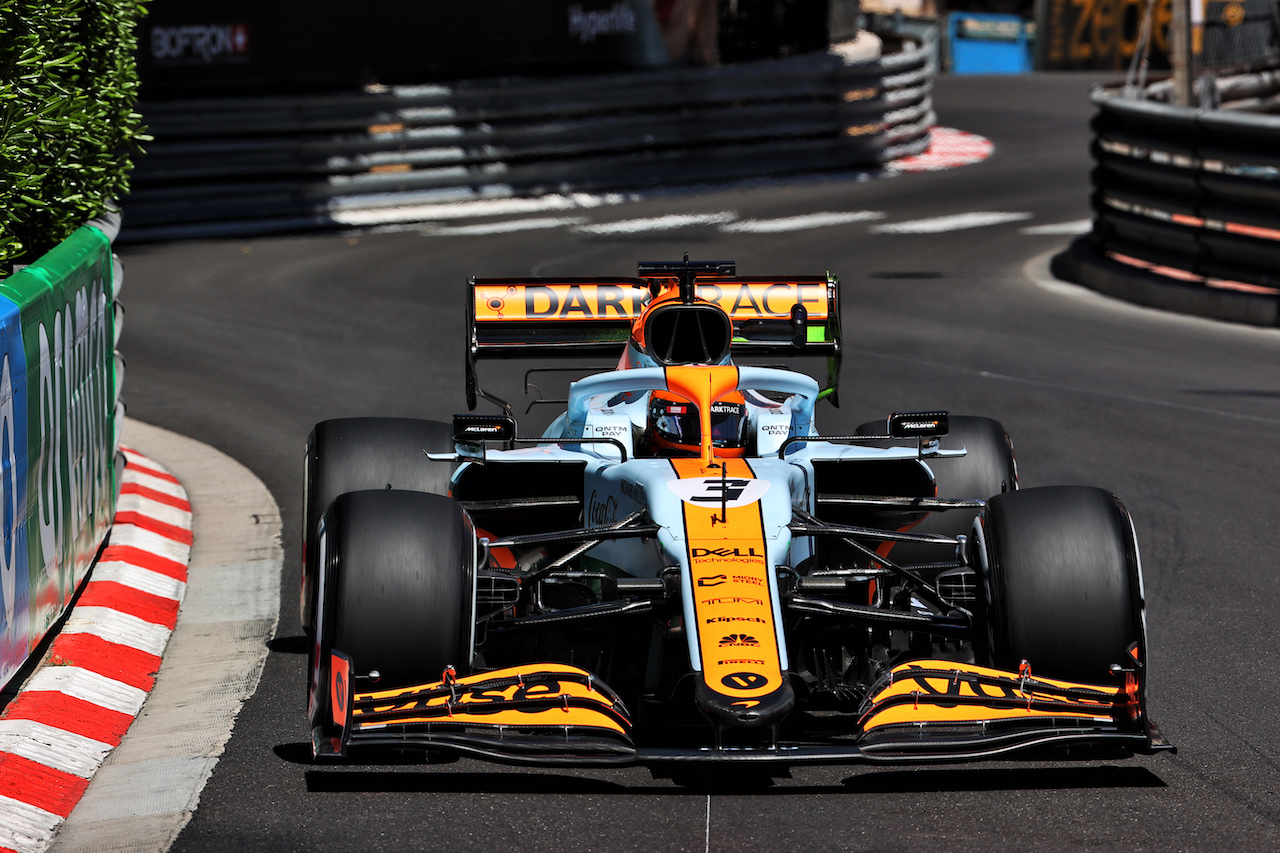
658	223
1059	229
956	222
802	222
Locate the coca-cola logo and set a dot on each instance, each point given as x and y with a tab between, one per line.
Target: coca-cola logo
602	512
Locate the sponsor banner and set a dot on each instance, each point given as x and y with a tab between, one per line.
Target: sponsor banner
1080	34
57	434
742	300
199	44
230	44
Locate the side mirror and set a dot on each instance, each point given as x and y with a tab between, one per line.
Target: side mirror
470	432
922	425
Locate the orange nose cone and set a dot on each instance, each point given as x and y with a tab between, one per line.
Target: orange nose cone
703	385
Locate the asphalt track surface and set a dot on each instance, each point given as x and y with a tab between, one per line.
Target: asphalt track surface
245	344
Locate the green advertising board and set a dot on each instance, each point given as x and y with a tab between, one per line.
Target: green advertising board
57	434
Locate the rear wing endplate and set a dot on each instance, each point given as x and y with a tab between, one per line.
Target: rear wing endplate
583	317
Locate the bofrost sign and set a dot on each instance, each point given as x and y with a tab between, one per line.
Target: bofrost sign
57	435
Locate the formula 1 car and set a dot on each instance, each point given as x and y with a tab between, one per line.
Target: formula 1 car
680	569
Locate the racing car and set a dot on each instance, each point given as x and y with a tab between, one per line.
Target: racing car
681	570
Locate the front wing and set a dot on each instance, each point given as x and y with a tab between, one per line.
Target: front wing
923	711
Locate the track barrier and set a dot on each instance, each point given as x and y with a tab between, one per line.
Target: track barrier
1187	201
238	166
60	419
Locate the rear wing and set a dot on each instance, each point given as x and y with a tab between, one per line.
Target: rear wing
582	317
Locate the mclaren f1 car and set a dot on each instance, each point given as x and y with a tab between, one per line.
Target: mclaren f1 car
681	569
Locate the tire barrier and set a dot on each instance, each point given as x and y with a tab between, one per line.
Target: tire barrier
1186	202
60	420
256	165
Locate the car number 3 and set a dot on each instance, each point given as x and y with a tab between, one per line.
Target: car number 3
717	491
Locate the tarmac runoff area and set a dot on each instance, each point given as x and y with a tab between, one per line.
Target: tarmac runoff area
145	791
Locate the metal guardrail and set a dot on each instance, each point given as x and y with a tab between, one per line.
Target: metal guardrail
1187	201
254	165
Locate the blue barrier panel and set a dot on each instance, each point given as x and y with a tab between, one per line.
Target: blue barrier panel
57	434
983	43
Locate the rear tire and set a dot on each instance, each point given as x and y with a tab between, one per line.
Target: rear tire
350	454
1060	583
987	468
395	594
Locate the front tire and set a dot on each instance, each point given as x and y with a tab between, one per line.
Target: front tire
1060	583
396	592
350	454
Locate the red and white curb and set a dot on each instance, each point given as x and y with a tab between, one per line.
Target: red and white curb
76	708
948	148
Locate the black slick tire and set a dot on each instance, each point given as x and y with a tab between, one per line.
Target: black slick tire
1060	583
396	593
351	454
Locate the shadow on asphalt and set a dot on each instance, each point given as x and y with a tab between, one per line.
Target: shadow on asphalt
380	781
407	772
288	645
1002	779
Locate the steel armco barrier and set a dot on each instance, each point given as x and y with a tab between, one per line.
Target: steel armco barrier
1187	202
255	165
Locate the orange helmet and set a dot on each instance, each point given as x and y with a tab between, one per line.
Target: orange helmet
672	426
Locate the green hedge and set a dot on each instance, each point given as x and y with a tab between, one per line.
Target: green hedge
68	84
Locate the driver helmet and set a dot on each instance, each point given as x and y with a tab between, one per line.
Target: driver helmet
672	427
